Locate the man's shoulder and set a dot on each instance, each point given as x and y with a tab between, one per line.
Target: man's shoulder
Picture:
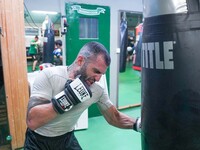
55	69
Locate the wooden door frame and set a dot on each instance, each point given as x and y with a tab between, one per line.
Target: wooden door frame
14	67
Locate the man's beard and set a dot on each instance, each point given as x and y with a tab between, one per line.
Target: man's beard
82	72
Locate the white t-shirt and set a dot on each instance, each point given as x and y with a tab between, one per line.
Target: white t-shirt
50	82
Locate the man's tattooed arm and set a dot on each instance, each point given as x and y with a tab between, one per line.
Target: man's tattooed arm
34	101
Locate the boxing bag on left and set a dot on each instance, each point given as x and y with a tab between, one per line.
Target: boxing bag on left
48	43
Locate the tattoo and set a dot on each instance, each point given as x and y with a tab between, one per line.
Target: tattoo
34	101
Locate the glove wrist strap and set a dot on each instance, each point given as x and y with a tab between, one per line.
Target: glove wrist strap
135	125
56	107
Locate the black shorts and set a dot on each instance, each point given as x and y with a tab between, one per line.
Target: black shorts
130	52
37	56
34	141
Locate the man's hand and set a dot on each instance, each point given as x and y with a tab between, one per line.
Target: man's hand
75	92
137	125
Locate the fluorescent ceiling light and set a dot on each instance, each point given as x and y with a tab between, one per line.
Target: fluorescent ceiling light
44	12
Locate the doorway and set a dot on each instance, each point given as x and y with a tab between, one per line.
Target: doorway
129	81
4	127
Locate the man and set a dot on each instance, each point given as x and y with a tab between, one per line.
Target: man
57	53
59	96
34	51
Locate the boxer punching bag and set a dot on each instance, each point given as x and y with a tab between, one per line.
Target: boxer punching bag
124	43
138	47
48	41
170	75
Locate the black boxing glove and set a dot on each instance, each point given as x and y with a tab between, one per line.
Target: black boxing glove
137	125
76	91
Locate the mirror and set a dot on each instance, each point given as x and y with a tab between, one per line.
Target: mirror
129	80
34	22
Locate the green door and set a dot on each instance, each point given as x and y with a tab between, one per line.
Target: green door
86	23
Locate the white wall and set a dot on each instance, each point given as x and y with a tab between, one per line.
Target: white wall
45	5
115	7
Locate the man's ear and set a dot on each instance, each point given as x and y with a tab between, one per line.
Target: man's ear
80	60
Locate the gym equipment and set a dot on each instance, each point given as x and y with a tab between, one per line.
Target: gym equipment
137	125
48	42
170	75
75	92
138	47
123	45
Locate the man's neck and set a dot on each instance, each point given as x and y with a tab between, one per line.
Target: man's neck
70	70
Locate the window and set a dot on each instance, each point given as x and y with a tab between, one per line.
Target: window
88	28
31	31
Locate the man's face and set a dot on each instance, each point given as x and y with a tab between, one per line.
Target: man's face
93	70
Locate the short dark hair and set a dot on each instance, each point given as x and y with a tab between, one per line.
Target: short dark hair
36	37
93	49
58	42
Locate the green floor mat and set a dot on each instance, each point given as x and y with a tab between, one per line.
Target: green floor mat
129	87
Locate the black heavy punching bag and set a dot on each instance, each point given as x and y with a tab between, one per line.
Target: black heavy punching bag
138	47
171	75
48	42
124	43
